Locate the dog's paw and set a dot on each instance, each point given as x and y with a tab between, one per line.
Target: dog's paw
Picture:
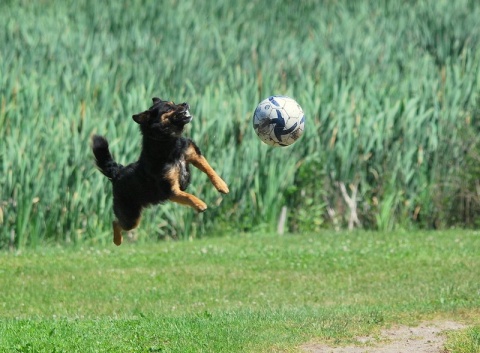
221	186
201	206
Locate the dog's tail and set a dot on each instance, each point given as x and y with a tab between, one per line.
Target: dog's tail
103	158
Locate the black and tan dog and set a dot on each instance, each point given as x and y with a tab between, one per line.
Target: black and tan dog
162	171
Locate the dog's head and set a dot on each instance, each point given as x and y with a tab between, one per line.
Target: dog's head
163	119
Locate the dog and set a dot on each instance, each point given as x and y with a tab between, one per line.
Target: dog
161	173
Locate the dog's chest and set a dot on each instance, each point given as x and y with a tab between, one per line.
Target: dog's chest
183	173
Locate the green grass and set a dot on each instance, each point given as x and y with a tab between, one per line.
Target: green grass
466	341
242	293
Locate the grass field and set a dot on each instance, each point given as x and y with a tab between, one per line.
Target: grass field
239	293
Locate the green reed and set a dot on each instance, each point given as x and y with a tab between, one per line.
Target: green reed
390	92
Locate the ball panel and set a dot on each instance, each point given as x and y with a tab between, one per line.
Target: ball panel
280	101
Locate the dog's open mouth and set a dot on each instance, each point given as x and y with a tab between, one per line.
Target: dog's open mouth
187	117
183	116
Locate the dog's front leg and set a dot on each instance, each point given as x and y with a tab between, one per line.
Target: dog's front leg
193	156
182	197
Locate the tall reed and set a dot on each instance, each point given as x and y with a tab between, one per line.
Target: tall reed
391	94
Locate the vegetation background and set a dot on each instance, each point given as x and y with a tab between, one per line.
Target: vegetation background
390	89
392	96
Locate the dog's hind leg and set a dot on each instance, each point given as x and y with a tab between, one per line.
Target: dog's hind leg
194	156
118	227
128	218
117	233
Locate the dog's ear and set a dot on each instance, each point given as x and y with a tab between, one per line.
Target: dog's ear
141	118
156	100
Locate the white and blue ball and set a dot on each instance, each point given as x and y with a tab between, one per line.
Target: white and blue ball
279	121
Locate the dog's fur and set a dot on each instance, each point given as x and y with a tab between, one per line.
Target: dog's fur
162	171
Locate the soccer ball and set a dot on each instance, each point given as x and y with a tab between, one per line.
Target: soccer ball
279	121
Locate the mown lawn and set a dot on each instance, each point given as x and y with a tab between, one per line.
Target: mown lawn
238	293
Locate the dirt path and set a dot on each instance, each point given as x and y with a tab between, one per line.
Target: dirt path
425	338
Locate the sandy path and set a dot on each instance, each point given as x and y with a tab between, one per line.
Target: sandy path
425	338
